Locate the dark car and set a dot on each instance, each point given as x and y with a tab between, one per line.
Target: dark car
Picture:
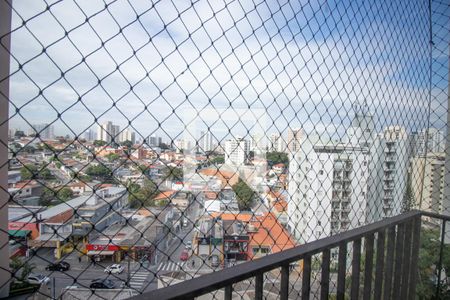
102	284
60	266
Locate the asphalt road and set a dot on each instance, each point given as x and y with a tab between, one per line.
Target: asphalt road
141	278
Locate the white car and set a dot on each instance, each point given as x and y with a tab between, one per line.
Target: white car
189	245
37	279
114	269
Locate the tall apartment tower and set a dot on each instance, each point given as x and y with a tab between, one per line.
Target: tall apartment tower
127	135
108	132
237	151
362	128
89	135
433	142
388	173
256	143
277	143
428	173
294	137
154	141
205	142
328	189
45	131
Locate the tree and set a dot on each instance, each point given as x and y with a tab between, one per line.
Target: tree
127	144
142	196
65	194
112	157
245	195
274	158
218	160
45	173
47	196
173	173
408	197
17	264
99	143
98	171
29	171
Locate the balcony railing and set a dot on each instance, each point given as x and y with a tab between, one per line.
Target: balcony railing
390	269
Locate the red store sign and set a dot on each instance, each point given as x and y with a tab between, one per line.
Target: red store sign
91	247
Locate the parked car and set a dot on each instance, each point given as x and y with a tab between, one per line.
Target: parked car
215	261
37	279
60	266
102	284
188	245
114	269
184	255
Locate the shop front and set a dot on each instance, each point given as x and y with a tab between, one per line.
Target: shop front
108	252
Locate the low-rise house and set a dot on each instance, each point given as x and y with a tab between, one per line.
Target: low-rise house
25	189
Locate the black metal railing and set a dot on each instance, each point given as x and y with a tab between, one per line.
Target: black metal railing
389	269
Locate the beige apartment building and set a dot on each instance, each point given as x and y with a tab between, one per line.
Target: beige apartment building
429	170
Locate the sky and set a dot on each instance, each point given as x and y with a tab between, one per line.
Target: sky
148	65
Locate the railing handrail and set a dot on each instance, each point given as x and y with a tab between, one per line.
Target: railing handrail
210	282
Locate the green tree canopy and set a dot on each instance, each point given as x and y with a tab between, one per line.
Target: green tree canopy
127	144
112	157
245	195
99	143
99	171
277	157
28	172
65	194
141	196
173	173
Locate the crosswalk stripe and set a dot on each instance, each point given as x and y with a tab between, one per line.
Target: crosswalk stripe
160	266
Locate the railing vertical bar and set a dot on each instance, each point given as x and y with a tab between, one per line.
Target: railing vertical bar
368	267
398	260
306	281
389	263
284	287
379	268
228	292
342	268
325	276
439	266
356	269
406	260
259	285
414	258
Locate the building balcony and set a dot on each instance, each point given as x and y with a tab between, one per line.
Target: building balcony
373	273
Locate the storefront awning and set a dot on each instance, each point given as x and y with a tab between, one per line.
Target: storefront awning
19	233
97	252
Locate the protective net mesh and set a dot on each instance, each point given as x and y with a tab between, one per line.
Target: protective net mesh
151	142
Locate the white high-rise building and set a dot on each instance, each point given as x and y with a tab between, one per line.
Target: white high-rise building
388	167
108	132
277	143
327	188
294	138
154	141
256	144
362	129
205	142
422	144
183	145
127	135
89	135
45	131
237	151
